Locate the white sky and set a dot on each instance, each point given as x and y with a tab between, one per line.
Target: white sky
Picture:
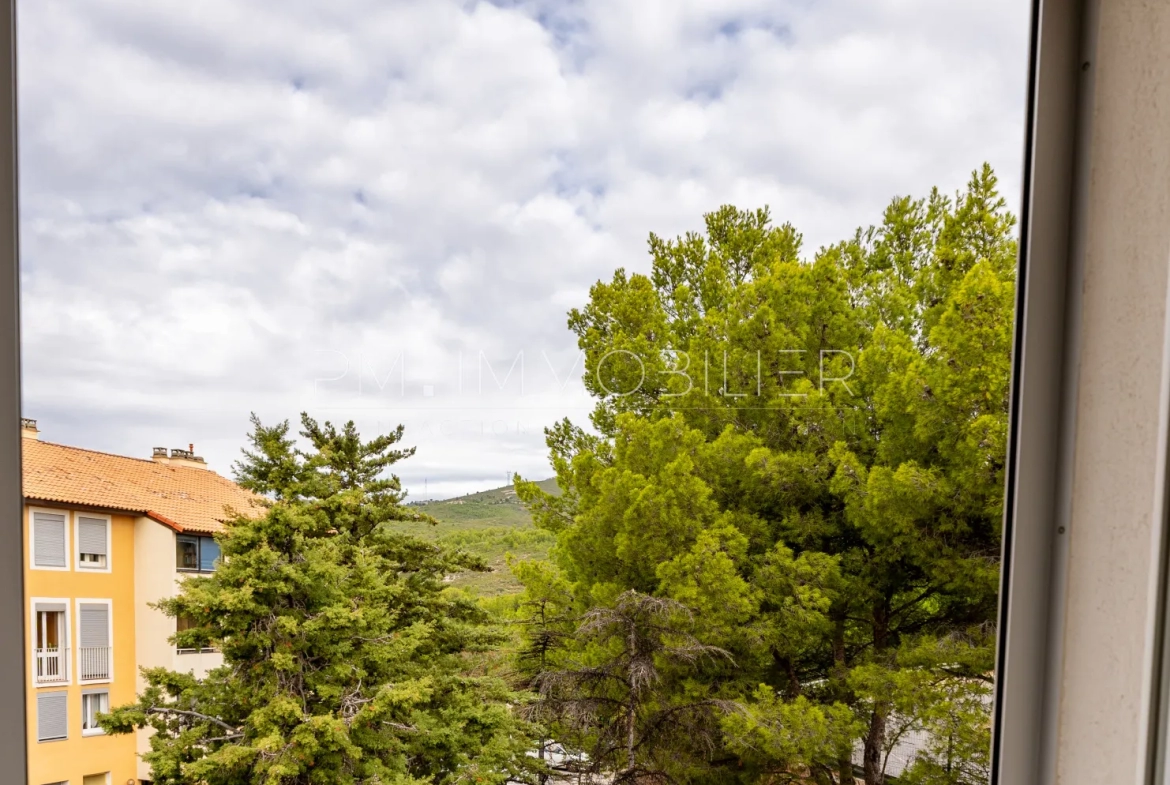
235	206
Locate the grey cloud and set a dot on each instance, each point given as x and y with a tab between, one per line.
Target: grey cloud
218	196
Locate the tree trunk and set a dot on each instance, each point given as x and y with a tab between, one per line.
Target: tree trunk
543	667
872	760
787	672
844	765
876	735
839	666
631	713
630	738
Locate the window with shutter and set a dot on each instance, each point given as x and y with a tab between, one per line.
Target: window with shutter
48	540
208	553
52	716
95	624
92	542
93	635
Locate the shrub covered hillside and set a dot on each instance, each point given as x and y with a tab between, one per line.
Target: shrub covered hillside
492	525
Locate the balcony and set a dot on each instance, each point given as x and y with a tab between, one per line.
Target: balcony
51	666
93	663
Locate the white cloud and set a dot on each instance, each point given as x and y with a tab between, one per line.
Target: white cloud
227	202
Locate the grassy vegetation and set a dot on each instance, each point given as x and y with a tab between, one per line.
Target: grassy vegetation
492	525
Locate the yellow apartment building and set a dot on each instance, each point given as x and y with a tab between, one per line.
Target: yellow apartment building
104	536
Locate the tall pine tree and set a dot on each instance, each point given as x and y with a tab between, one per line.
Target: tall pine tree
808	453
342	653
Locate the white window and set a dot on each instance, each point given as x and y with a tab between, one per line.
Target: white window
50	641
93	542
93	702
94	654
47	540
52	716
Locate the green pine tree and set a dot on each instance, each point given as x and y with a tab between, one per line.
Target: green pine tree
809	454
342	654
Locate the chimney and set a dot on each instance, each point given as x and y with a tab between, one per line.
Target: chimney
181	457
28	429
159	455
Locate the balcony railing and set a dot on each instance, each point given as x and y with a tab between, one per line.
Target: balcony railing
94	663
51	666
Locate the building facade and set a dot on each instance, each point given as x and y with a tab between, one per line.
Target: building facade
105	536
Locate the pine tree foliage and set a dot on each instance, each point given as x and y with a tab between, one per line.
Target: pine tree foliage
808	453
342	654
617	692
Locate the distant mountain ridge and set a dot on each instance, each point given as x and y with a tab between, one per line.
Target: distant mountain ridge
502	495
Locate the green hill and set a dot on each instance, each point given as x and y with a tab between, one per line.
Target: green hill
490	524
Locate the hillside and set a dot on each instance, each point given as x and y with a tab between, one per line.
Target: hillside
490	524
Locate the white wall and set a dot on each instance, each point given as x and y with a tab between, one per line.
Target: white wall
156	578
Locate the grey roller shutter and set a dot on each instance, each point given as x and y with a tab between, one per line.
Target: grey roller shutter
52	715
94	625
91	535
49	540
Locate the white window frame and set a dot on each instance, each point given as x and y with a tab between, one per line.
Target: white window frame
32	542
109	603
66	645
84	694
77	515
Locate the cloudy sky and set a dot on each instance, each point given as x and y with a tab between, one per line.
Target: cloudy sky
376	210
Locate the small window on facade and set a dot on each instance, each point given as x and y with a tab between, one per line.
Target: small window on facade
52	716
92	541
188	554
92	704
196	553
48	540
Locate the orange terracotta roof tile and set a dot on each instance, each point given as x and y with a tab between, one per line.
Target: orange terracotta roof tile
183	497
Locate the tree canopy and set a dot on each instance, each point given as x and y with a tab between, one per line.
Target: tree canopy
343	657
808	454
